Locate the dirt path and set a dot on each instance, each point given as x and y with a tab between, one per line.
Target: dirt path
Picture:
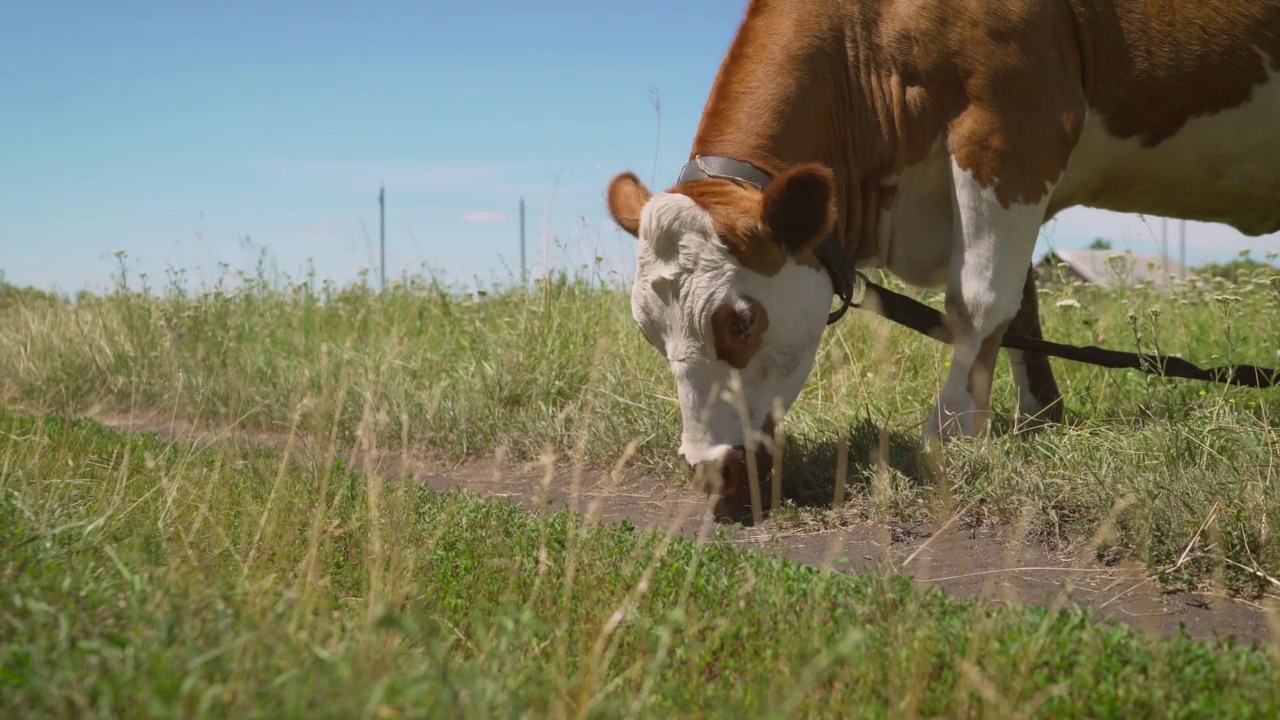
993	563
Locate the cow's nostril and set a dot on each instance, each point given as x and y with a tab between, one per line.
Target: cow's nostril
725	476
728	478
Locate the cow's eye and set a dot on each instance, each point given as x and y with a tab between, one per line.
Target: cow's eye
741	322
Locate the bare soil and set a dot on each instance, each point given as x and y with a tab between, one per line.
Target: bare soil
993	562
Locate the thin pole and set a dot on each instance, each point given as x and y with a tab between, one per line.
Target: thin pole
382	237
1164	245
1182	248
524	277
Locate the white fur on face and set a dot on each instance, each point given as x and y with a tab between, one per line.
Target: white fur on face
683	273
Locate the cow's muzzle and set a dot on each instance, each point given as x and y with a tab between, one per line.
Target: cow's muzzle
729	477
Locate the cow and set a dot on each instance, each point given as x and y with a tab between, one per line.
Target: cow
931	138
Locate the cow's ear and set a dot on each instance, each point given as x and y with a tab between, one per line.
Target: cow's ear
799	206
626	197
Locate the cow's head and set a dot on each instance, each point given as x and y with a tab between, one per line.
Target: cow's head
729	290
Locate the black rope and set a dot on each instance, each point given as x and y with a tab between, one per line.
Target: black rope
924	319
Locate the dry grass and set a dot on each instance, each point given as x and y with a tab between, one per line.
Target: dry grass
561	368
150	578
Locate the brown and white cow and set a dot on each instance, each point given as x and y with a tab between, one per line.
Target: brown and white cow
934	138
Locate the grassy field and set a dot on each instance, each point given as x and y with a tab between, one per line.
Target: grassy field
1152	463
146	578
152	579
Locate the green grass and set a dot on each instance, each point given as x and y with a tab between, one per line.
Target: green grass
149	578
1140	467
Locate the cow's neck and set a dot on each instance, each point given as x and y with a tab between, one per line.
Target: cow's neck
788	92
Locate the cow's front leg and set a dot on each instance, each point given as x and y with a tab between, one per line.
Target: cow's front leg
992	244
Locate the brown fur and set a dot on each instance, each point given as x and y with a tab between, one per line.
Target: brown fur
735	210
1022	111
866	87
737	348
790	217
1150	66
799	207
1015	109
626	196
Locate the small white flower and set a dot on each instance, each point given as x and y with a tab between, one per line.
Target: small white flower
1068	302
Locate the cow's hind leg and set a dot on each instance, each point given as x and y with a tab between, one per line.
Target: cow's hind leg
1038	397
991	251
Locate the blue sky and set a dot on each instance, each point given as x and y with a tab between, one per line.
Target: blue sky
191	136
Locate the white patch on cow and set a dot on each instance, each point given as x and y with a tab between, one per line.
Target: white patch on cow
1217	168
913	235
683	273
991	251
